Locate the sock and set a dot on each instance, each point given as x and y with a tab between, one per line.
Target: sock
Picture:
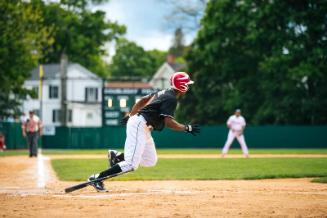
120	157
113	170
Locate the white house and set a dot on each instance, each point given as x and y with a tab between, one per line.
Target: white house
84	90
160	80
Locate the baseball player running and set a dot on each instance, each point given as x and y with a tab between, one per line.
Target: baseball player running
152	112
236	124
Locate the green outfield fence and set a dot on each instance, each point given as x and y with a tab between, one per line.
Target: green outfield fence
210	137
13	133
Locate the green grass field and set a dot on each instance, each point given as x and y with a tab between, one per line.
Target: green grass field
197	169
320	180
13	153
201	169
193	151
167	151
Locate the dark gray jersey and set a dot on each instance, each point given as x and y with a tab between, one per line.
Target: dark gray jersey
163	105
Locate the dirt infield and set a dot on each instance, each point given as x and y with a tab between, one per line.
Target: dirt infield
25	193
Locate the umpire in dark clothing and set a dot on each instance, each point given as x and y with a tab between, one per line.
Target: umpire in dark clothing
32	128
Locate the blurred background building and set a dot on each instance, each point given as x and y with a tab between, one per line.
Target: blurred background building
160	79
119	98
83	96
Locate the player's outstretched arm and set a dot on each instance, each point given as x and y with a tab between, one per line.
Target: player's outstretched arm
173	124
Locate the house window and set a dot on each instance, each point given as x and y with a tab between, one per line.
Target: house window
123	102
89	115
91	94
57	113
53	92
55	116
109	102
36	92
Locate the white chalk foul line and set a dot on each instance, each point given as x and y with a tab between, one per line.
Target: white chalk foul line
42	172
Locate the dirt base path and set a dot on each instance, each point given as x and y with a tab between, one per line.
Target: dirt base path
22	195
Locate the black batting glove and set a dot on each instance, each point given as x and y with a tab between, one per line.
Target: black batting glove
193	129
124	120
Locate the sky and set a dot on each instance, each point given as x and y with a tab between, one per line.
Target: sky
145	21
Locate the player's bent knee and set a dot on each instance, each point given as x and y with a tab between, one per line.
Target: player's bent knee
150	163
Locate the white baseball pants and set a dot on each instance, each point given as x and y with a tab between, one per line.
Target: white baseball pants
230	138
139	145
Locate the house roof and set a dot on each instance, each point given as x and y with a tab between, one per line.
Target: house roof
128	84
171	68
51	71
176	66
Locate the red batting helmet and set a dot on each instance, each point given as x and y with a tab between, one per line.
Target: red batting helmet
180	81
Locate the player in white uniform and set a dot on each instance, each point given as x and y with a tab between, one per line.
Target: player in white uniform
236	124
152	112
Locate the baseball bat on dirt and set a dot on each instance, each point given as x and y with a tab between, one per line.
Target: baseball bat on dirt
84	184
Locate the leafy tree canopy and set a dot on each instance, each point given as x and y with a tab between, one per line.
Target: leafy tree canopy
22	37
178	46
266	57
33	32
132	60
81	34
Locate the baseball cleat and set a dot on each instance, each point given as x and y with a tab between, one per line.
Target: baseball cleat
99	186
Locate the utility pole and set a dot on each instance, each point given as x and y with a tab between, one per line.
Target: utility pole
41	77
63	76
104	102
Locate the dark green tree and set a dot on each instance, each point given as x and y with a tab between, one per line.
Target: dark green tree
33	32
22	36
132	60
158	58
78	32
177	48
266	57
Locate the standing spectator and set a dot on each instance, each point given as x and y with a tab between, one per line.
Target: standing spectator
2	142
236	124
32	128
